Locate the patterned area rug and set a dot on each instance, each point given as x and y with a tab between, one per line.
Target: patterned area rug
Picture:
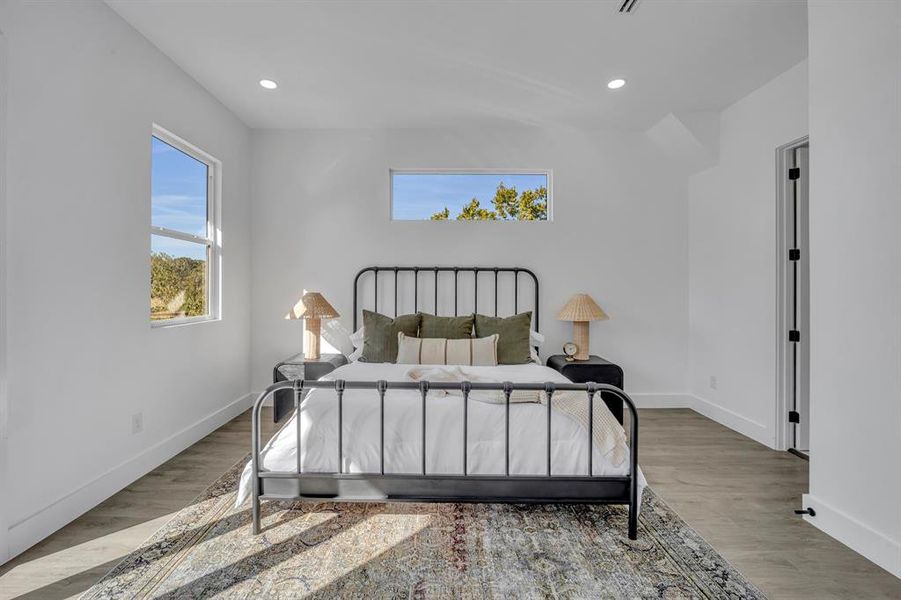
401	550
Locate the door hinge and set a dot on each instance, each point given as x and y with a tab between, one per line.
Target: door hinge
794	173
794	335
794	416
794	254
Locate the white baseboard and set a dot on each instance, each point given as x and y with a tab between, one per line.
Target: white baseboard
743	425
656	400
858	536
752	429
44	521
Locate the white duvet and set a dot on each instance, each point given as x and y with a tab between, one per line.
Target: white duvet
444	431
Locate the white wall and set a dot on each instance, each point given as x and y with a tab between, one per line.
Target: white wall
732	288
84	89
855	215
677	266
619	233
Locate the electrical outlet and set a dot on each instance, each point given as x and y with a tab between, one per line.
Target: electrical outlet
137	422
713	382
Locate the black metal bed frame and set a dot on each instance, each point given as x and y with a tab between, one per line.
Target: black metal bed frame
612	401
384	486
456	271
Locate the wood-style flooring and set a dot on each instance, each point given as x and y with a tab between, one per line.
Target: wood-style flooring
736	493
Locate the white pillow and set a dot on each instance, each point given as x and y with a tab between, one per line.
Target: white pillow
535	339
441	351
356	338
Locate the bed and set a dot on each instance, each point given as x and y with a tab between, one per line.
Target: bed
506	433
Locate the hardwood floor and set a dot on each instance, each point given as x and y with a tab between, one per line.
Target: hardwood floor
72	559
736	493
740	496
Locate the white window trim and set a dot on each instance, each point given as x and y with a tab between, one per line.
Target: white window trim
214	231
549	173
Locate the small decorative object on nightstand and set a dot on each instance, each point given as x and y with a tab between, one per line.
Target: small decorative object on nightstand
596	369
312	308
298	367
581	309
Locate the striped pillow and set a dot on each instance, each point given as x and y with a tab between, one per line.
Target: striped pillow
441	351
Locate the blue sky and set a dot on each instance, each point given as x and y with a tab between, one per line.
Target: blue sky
420	195
178	192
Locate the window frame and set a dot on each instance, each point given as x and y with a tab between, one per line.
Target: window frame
548	173
213	239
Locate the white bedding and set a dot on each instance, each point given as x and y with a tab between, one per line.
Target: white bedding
444	431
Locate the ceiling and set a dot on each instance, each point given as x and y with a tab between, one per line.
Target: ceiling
386	64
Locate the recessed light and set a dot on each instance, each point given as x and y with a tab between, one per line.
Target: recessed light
613	84
268	84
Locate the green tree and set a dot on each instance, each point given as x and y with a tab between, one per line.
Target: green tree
441	215
505	202
474	212
532	205
177	286
509	205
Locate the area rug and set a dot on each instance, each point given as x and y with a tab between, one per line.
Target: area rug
396	550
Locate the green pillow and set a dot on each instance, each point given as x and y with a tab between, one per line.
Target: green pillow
380	335
513	345
449	328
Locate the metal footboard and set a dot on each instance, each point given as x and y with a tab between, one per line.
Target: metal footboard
425	487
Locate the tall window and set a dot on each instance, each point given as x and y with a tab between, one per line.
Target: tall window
445	195
184	249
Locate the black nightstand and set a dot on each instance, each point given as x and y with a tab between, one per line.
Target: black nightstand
297	367
596	369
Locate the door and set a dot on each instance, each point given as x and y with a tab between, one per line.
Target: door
799	301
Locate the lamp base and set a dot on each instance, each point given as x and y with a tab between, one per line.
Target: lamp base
580	339
312	329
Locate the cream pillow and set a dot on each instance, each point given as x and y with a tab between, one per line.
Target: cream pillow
440	351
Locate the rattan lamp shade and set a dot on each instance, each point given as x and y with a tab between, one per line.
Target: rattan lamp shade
581	309
312	308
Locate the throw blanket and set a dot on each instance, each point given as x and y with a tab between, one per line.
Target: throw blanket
609	435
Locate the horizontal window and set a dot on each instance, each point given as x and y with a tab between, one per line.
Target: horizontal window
470	195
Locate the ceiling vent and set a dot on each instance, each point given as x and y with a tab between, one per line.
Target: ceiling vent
628	7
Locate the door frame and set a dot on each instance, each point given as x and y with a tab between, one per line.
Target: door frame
784	158
4	347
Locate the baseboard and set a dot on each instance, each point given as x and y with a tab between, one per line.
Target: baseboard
655	400
858	536
743	425
44	521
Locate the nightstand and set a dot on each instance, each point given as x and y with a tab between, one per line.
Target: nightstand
297	367
596	369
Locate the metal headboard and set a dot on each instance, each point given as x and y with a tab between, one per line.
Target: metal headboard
418	274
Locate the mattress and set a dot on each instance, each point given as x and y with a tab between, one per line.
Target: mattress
444	431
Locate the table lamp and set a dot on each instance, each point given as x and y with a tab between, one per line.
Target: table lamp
312	308
581	309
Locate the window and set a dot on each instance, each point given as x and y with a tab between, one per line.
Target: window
184	245
470	195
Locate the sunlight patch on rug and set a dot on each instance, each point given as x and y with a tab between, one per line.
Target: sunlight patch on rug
332	550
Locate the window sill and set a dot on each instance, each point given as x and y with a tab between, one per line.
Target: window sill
166	324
